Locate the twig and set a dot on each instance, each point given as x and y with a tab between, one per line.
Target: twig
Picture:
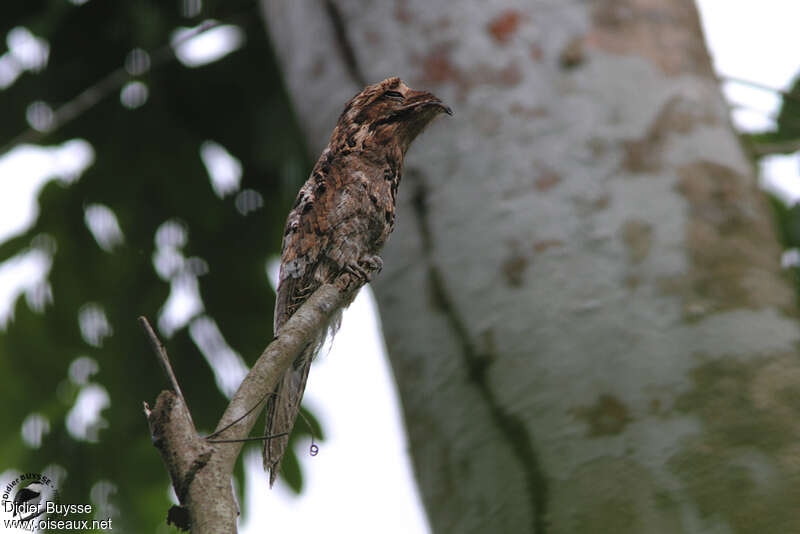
163	359
250	410
313	450
782	147
763	87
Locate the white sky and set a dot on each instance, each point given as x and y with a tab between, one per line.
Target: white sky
361	481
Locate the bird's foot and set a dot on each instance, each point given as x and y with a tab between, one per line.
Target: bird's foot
357	271
360	272
372	264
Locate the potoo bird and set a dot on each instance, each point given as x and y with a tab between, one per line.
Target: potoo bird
342	217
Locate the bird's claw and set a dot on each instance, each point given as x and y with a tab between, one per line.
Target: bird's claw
364	269
358	271
374	264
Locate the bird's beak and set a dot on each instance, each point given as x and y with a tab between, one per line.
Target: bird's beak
426	99
445	108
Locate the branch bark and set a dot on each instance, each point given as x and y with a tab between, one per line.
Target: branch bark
201	469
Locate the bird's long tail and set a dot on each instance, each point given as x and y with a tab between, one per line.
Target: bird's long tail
284	403
282	409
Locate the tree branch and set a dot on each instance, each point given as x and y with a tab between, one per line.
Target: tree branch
780	147
161	354
757	85
200	470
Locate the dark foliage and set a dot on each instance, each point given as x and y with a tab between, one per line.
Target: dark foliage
788	121
147	170
786	133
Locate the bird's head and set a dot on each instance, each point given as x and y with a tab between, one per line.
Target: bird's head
386	115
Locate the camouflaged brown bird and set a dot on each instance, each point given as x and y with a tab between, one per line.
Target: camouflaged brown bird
342	217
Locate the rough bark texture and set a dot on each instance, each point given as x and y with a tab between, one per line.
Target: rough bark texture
582	298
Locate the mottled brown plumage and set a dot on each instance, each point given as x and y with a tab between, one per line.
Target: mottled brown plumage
342	217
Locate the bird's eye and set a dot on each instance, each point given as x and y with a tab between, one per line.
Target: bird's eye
394	94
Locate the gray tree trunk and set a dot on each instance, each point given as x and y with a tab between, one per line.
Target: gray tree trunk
582	299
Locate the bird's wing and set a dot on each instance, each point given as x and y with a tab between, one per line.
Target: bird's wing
305	239
324	232
305	242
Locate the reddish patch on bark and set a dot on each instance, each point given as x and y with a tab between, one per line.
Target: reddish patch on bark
402	13
607	417
537	52
372	37
509	75
521	110
668	34
541	246
489	122
547	180
514	269
438	68
505	25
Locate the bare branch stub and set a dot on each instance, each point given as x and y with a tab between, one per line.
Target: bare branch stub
161	353
183	451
